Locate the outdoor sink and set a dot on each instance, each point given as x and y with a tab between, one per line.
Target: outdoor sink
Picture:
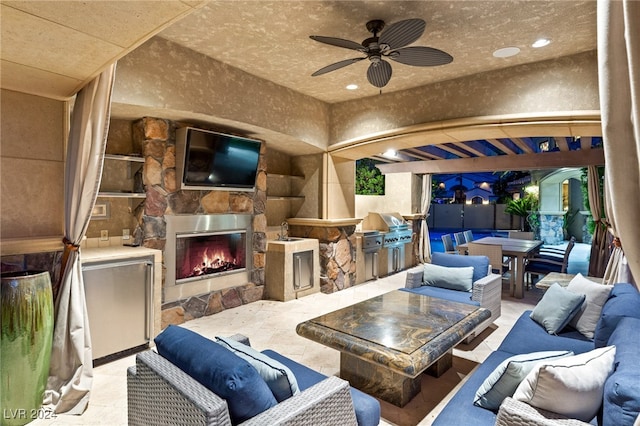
288	239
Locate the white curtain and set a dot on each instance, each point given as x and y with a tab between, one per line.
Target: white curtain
71	371
619	84
424	245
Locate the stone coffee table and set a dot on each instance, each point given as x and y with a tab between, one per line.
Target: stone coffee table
386	342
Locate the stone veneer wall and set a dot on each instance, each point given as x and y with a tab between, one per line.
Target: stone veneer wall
337	254
156	139
551	228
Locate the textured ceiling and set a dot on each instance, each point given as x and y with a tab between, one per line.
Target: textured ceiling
270	39
53	48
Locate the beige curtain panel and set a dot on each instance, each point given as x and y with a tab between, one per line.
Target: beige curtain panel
71	371
599	245
619	85
424	245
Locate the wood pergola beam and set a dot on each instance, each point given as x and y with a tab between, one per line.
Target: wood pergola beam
547	160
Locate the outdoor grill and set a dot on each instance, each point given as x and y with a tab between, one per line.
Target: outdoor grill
395	233
395	229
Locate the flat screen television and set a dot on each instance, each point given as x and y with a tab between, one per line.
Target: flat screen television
210	160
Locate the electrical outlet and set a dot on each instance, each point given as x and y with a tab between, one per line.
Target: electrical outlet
125	234
104	235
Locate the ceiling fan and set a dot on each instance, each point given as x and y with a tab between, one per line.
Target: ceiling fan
391	44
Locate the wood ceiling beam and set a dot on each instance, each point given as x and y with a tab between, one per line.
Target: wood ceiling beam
502	146
547	160
453	151
463	145
562	143
418	153
522	145
585	142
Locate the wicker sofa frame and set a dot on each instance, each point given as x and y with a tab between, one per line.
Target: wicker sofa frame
159	393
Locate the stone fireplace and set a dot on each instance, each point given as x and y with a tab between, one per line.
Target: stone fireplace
161	218
205	253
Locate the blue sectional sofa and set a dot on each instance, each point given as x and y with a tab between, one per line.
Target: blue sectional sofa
618	325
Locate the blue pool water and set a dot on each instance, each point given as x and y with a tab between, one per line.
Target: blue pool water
435	236
578	259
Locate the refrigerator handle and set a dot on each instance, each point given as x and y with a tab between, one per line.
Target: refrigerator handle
149	293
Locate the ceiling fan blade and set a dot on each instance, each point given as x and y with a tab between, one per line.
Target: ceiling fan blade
402	33
336	66
420	56
379	73
333	41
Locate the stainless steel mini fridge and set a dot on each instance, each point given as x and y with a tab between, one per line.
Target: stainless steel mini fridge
119	296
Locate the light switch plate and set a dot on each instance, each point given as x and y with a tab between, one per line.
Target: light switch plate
104	235
126	234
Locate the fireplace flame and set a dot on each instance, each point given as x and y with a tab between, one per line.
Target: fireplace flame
213	263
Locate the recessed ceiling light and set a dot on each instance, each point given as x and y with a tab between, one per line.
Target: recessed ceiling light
541	42
352	87
506	52
390	153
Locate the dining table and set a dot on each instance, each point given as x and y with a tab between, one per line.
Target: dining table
517	249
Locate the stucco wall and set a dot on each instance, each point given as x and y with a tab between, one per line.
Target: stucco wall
32	166
565	84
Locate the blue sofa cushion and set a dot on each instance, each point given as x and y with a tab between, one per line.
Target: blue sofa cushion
460	279
444	293
622	389
480	263
367	407
556	308
460	409
527	336
623	301
278	377
219	370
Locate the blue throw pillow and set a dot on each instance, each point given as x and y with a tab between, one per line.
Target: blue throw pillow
460	279
480	263
279	378
556	308
219	370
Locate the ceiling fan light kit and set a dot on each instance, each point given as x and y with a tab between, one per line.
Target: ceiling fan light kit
392	45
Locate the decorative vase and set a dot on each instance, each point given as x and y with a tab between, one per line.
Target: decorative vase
26	304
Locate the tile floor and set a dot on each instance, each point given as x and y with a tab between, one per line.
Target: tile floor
271	324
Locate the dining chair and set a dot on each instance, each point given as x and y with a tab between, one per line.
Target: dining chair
499	263
548	259
521	235
459	237
468	236
447	242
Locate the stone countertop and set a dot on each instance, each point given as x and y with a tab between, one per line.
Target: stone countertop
118	252
324	223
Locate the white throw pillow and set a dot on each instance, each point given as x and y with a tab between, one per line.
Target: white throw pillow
506	377
453	278
586	319
571	386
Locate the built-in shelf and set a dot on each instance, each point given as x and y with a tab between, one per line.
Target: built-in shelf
271	175
118	157
283	198
134	163
122	194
